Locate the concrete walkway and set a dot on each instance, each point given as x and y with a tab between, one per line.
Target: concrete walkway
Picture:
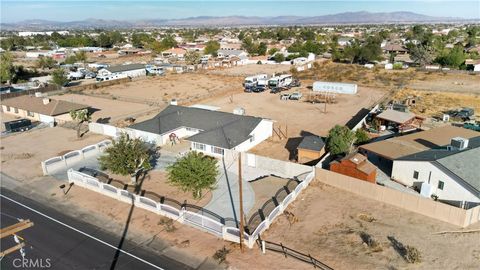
225	198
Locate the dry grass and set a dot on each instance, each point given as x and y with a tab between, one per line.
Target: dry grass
429	103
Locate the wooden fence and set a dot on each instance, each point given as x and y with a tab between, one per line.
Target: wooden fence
307	258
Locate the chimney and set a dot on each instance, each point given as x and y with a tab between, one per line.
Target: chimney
46	101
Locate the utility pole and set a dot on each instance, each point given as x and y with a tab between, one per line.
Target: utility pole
12	230
241	198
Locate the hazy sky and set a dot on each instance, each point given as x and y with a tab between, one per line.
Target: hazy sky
70	10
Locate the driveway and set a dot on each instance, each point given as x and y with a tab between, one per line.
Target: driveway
225	197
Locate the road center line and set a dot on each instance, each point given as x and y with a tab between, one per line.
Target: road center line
81	232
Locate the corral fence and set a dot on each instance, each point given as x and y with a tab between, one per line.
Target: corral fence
71	158
97	85
286	251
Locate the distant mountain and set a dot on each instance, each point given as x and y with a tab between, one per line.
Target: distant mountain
361	17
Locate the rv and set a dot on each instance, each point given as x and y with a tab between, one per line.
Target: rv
280	81
154	70
256	80
111	77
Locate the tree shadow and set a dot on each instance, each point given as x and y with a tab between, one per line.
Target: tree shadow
137	190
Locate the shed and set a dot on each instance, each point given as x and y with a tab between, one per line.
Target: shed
355	165
311	147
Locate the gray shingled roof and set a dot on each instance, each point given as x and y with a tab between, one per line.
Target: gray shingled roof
312	142
465	165
122	68
462	163
221	129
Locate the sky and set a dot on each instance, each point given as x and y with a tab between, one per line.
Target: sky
72	10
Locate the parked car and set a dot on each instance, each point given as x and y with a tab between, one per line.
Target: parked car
258	89
90	75
275	90
285	96
465	114
295	96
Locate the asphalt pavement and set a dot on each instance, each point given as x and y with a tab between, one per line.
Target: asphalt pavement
58	241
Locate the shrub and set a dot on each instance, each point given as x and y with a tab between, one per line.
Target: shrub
221	255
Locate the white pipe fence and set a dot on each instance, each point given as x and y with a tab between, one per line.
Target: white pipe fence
57	163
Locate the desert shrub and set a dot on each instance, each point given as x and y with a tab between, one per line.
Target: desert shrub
221	255
167	224
370	242
409	253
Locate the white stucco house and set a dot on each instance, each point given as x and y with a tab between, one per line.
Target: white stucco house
450	172
210	132
132	71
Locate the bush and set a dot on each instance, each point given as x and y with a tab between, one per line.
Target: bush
361	136
221	255
397	66
340	140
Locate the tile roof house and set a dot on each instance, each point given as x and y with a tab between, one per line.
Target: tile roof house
450	171
211	132
41	109
355	165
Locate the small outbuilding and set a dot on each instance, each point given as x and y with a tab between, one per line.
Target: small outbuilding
311	147
355	165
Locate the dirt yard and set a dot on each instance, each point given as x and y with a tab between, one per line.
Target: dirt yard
248	70
265	189
434	103
109	109
186	88
22	153
330	225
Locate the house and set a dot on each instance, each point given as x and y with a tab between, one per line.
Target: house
41	109
210	132
403	121
449	172
311	148
230	46
231	53
132	70
383	153
473	65
394	48
174	52
355	165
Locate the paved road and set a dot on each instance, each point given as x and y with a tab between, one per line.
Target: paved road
62	242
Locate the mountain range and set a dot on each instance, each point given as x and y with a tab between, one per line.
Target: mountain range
361	17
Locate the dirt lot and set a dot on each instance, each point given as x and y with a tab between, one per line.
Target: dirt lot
248	70
106	108
28	149
265	189
457	83
186	88
433	103
330	221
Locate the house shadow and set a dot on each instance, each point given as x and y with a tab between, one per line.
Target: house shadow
292	145
427	143
357	118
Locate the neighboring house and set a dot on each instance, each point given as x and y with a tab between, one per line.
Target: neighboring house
383	153
473	65
132	70
45	110
174	52
394	48
210	132
355	165
450	172
231	53
403	121
311	147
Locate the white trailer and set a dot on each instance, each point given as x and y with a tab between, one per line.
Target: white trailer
111	77
334	87
255	80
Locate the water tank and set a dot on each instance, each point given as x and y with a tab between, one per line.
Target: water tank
239	111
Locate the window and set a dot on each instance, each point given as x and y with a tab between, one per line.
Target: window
217	150
252	138
199	146
415	174
15	110
441	184
8	108
29	113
